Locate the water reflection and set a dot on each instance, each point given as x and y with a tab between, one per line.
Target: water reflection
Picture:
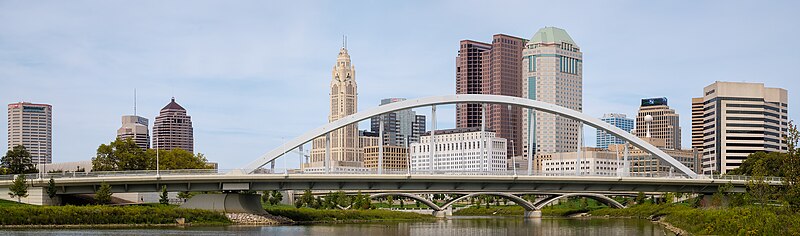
459	226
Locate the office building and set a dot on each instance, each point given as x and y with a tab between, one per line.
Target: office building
173	128
739	119
620	121
135	128
593	162
460	149
491	68
344	142
31	125
400	128
697	124
553	73
662	121
642	163
395	158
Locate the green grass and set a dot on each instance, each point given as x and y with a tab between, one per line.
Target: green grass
329	215
94	215
7	203
744	220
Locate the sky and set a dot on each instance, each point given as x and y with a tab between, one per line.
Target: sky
253	74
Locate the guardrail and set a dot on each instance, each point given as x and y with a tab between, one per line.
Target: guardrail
294	172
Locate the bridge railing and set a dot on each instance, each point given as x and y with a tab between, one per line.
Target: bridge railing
289	172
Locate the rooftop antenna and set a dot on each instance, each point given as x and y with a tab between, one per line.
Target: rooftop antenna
134	101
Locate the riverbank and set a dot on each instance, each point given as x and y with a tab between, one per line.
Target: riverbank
310	215
744	220
165	215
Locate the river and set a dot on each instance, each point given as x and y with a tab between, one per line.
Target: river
460	226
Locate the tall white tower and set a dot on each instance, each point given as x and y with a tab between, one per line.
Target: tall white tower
344	142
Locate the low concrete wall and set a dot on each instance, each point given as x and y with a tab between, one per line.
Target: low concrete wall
36	196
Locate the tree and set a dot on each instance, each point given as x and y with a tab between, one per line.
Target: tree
390	200
265	197
276	198
791	167
18	161
178	159
51	188
307	198
164	195
19	188
121	155
758	189
772	162
185	195
640	198
103	194
124	154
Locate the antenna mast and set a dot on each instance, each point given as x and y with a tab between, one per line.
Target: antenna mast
134	101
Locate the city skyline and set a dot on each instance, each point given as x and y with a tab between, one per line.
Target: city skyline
79	73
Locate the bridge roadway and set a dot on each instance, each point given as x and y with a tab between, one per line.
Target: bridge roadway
242	181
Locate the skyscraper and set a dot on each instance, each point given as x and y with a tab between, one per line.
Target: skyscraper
620	121
31	125
552	72
135	128
739	119
344	142
173	128
400	128
495	68
697	124
663	122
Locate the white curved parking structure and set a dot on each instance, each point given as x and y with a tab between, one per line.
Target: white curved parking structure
467	98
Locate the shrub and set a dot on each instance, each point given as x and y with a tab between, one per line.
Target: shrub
82	215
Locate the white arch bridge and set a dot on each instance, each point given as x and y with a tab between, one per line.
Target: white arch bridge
271	156
532	209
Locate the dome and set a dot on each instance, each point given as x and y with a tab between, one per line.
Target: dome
552	35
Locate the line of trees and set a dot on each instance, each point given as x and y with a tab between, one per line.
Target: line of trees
334	200
120	155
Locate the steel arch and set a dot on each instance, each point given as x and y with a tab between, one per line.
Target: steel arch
466	98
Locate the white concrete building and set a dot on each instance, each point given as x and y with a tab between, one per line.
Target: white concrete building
31	125
592	163
738	119
464	149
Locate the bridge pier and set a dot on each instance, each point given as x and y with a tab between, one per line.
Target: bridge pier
533	214
439	214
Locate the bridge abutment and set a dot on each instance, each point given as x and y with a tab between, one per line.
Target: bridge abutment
533	214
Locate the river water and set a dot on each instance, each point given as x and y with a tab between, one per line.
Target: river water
460	226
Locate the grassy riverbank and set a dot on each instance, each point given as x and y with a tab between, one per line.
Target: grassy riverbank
305	214
105	215
743	220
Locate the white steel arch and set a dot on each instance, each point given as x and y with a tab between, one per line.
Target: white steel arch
466	98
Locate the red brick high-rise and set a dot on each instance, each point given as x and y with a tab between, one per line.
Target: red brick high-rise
495	68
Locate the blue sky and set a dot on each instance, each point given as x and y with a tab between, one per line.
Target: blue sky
255	73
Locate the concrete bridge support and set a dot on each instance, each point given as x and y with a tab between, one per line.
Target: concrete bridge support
443	212
227	202
533	214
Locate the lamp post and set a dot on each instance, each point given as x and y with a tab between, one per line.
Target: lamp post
158	168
